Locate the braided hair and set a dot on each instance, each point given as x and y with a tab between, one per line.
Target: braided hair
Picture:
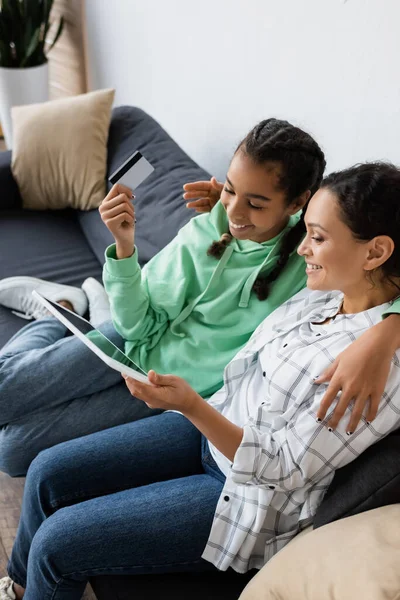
302	165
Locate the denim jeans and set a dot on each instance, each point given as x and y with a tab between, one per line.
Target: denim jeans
53	389
135	499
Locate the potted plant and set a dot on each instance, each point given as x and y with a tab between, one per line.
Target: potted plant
24	79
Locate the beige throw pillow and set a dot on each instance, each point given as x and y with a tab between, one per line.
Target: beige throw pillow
59	155
357	558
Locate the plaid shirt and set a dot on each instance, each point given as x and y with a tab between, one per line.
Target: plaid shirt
286	459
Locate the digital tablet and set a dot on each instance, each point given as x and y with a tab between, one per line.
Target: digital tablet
94	339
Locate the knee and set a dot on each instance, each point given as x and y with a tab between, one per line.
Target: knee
43	475
14	457
18	451
50	552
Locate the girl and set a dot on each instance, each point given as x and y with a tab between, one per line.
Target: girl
187	312
228	482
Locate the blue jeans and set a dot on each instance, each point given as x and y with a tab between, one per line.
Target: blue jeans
53	389
135	499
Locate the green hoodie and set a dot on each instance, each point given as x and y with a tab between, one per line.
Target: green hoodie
187	313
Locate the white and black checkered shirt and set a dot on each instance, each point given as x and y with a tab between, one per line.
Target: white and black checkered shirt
287	460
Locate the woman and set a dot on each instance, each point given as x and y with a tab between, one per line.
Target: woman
228	482
188	312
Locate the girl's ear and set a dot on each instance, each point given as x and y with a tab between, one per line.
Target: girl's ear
380	249
299	202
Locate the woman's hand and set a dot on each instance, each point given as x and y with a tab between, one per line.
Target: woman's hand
118	214
167	392
360	373
207	192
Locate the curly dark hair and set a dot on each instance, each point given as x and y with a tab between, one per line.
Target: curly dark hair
302	165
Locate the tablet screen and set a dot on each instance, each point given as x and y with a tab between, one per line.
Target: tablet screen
96	337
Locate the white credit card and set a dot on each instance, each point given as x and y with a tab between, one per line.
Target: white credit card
132	172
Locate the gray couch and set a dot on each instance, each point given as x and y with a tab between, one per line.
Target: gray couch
67	246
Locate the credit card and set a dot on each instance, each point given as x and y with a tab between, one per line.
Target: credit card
132	172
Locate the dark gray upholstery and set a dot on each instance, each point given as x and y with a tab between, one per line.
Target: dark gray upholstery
49	245
371	481
9	194
159	206
68	246
185	586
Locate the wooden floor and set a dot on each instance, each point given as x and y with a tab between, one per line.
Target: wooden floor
10	505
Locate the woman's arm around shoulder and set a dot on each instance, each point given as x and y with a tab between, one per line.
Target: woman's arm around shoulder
302	451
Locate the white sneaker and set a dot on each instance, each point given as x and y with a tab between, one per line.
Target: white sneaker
99	305
16	293
6	589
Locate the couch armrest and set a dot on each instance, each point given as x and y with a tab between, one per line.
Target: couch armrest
9	193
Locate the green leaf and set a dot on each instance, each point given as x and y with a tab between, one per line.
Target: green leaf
46	17
5	55
47	6
31	48
24	25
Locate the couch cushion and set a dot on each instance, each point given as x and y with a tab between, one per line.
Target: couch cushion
372	480
49	245
59	155
354	558
159	205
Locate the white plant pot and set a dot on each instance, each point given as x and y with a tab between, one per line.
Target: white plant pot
21	86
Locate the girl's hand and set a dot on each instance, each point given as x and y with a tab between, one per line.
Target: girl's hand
360	374
207	192
167	392
118	214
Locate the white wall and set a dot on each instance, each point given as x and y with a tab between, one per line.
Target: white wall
208	70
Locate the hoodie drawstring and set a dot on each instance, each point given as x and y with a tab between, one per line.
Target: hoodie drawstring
214	277
246	290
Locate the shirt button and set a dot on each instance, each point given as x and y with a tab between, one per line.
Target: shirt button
318	334
263	373
181	335
271	487
226	498
284	345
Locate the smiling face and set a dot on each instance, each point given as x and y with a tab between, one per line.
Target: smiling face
335	259
256	205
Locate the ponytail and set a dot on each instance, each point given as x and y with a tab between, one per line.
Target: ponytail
218	248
